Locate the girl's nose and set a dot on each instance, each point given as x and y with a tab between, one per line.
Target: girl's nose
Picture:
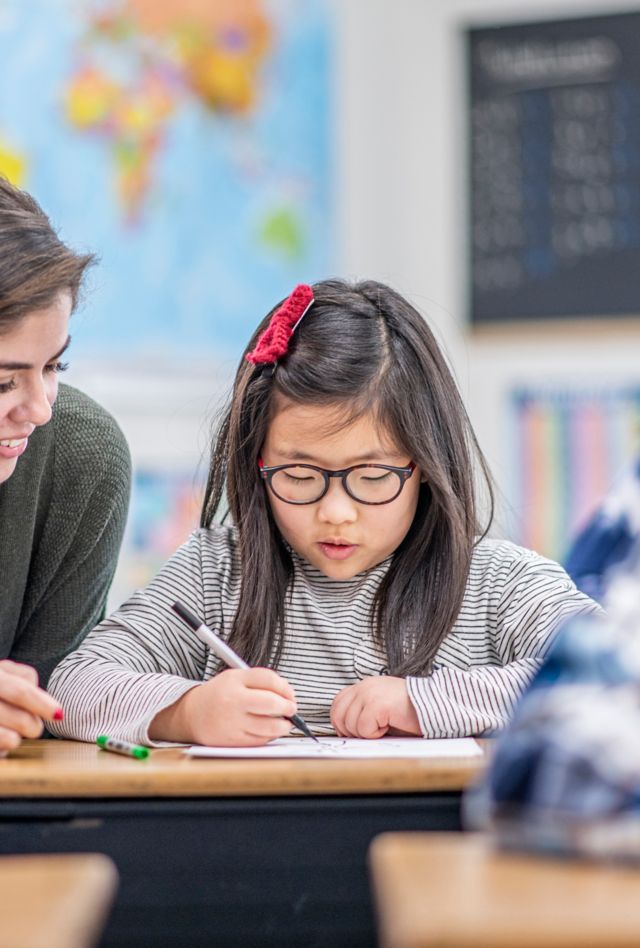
336	506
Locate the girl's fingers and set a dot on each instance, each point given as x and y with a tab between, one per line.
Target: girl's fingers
339	708
269	704
338	726
352	713
16	690
9	740
264	679
369	724
23	723
267	729
336	719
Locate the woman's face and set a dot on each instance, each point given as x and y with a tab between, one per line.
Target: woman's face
29	364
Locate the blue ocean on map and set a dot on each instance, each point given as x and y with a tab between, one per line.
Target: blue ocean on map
188	145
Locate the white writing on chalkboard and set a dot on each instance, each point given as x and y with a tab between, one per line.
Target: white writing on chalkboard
555	168
535	61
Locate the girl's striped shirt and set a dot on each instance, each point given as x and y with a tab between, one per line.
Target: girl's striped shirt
143	658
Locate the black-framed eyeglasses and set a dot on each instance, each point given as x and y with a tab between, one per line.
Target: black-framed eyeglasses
365	483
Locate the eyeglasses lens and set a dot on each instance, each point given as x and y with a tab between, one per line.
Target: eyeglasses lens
297	485
373	485
370	485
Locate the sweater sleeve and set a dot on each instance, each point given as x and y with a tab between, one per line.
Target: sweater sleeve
81	532
536	598
142	658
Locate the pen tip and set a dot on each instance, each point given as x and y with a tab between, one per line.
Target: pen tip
302	725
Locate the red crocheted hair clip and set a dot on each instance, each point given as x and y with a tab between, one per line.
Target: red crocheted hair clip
274	341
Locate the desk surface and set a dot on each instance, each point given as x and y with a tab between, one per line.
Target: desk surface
52	768
54	901
450	889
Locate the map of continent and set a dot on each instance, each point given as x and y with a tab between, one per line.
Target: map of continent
187	143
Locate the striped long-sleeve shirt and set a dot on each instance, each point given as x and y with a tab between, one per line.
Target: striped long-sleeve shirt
143	658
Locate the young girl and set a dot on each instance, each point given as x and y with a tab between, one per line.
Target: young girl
352	576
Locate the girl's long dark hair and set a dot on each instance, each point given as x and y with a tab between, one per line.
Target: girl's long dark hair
364	349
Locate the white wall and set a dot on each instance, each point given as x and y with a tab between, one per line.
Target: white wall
402	189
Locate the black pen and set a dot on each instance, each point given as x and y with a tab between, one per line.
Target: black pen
220	648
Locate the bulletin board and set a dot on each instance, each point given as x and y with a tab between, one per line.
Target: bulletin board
164	510
569	446
554	169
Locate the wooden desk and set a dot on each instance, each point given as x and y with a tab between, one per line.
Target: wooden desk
226	852
54	901
454	891
72	769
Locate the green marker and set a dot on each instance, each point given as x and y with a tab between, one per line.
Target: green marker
122	747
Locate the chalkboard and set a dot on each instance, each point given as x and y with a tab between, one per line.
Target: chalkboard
554	130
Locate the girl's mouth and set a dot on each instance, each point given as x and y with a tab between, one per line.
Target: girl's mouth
337	550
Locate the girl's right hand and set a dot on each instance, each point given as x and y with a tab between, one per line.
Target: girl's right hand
236	708
23	705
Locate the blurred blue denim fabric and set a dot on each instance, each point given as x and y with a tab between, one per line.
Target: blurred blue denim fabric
564	776
608	537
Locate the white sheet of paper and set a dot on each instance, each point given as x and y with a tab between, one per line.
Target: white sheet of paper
346	747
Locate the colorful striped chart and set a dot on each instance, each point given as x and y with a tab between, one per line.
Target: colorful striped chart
569	445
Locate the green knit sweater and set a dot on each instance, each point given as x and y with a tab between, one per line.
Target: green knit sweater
62	516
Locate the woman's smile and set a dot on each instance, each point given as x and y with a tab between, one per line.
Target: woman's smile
29	367
13	447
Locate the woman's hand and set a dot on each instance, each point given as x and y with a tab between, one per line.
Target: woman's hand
23	706
236	708
373	708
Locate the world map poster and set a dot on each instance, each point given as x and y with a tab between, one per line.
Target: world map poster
187	143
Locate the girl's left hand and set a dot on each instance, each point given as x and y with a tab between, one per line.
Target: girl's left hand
374	707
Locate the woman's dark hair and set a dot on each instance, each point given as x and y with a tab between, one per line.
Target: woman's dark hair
363	349
35	265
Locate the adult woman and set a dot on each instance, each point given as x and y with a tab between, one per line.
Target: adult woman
64	472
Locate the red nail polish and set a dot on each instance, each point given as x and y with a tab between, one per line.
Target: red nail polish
58	714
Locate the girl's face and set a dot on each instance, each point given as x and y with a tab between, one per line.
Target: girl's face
338	535
29	363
